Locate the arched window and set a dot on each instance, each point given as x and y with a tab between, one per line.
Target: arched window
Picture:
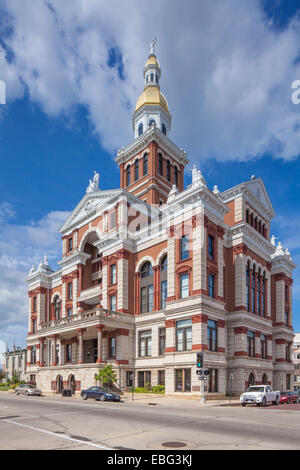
247	216
253	289
164	129
56	304
251	219
145	164
136	170
128	175
258	292
152	77
168	170
259	226
163	282
248	286
160	164
264	379
263	295
255	223
152	122
146	286
176	175
140	129
250	380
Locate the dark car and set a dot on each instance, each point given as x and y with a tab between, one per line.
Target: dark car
98	393
288	397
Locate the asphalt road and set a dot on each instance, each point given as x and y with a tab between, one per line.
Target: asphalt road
30	423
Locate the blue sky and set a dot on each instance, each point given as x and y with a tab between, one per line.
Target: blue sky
73	76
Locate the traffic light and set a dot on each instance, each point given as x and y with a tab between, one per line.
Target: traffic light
199	359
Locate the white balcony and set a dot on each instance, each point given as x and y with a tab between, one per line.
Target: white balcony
97	275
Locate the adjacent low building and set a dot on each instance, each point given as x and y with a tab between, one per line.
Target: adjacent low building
14	362
296	360
153	272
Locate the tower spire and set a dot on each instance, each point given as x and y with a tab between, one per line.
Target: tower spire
152	46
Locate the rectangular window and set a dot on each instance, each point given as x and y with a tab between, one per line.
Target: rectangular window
129	378
184	335
113	274
251	343
164	294
161	377
33	326
69	290
113	302
184	285
147	299
145	343
162	341
184	247
211	285
144	377
69	312
113	220
212	335
211	247
68	352
183	380
34	304
112	347
70	244
263	340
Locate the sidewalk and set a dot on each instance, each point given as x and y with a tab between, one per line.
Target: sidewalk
150	399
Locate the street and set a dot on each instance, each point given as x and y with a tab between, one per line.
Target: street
30	423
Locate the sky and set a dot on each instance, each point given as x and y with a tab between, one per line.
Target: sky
73	71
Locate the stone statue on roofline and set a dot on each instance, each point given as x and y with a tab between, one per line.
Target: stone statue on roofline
93	184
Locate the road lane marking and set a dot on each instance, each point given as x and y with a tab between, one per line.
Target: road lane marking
58	436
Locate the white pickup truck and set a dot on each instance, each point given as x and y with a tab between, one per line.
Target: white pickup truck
260	394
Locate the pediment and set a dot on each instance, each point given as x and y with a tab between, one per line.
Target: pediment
89	205
257	189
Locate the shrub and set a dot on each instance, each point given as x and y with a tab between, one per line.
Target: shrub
158	389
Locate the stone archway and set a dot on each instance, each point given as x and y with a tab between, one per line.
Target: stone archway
59	384
72	384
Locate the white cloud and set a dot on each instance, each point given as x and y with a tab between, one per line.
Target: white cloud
20	247
226	73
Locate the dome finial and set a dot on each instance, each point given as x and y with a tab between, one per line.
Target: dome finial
152	46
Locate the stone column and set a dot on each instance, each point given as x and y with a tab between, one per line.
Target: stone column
41	340
80	339
99	344
62	358
53	346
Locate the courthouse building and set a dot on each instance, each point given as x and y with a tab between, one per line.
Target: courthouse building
152	273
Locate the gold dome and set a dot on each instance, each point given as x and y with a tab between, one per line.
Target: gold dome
152	96
152	60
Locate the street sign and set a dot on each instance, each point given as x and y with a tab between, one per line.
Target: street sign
202	377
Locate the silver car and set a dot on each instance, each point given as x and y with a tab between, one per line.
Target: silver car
27	389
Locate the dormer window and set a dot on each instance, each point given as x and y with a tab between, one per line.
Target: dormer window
140	129
151	122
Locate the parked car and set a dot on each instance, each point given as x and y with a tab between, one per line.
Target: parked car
260	395
288	397
297	392
27	389
99	393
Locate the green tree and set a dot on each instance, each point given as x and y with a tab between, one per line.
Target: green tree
15	378
2	375
106	375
